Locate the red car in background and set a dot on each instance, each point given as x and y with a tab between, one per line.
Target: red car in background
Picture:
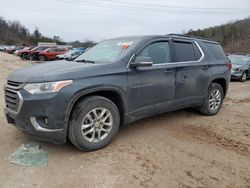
34	53
51	53
10	49
24	53
19	51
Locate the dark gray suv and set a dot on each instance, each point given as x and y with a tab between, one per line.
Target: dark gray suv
114	83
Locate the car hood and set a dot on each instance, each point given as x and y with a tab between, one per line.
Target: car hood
52	71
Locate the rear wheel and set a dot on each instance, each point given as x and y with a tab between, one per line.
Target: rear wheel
95	122
243	77
213	101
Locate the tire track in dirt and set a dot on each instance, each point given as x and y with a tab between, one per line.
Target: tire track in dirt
192	131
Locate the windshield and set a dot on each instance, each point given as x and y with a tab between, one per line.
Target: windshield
109	51
239	60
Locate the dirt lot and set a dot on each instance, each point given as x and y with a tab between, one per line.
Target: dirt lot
178	149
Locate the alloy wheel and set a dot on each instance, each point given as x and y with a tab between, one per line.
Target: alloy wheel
97	124
215	100
244	77
41	58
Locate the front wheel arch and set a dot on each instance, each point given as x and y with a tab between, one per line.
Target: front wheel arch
107	92
81	111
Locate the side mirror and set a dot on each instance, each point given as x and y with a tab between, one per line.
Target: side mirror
142	61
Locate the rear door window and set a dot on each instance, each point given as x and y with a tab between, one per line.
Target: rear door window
159	52
186	51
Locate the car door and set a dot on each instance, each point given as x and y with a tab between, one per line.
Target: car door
51	53
60	51
57	52
151	89
192	72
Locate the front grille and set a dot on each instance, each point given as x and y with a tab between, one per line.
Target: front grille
12	96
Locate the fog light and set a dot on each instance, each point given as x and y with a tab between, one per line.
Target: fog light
40	124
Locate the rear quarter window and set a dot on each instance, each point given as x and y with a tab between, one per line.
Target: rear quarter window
216	50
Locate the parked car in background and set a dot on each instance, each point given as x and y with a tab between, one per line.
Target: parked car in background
5	47
248	55
240	67
81	48
23	54
71	55
19	51
34	54
51	53
116	82
10	49
2	47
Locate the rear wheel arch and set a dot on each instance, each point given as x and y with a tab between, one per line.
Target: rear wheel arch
222	82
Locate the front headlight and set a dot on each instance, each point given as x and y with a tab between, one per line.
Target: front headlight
237	69
46	87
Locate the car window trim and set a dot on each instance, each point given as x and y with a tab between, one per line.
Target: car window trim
169	45
154	41
188	42
176	63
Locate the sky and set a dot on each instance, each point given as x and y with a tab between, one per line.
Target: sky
102	19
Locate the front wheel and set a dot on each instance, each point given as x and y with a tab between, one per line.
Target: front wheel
213	101
41	58
95	122
243	77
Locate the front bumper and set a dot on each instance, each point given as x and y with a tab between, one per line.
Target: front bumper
236	75
42	116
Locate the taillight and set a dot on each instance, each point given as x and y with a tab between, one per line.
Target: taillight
229	65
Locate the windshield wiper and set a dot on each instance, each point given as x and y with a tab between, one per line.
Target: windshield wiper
84	61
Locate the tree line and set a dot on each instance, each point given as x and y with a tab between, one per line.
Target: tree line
234	36
14	33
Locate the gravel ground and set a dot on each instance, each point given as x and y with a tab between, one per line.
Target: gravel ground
177	149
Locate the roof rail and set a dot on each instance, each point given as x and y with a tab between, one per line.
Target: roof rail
190	36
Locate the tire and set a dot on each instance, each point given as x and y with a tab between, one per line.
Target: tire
31	57
243	77
23	56
87	137
213	101
41	58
